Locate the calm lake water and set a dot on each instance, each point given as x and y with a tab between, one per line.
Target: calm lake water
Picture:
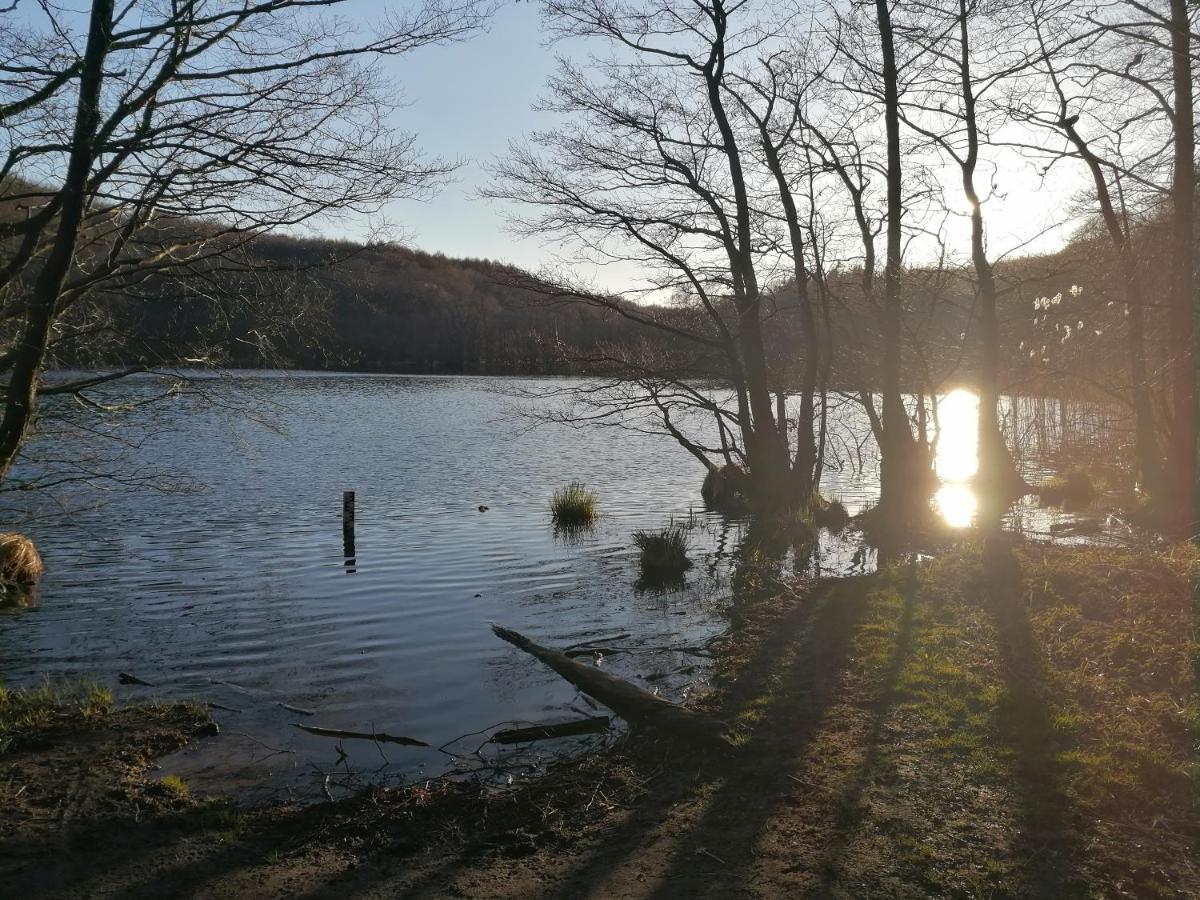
237	591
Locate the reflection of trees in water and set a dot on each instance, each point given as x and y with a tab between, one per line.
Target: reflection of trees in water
1047	432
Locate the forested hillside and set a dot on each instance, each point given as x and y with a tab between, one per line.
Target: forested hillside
386	308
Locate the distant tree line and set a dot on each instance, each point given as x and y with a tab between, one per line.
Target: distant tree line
337	305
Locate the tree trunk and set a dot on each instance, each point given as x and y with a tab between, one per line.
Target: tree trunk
20	399
896	476
766	448
1181	456
996	475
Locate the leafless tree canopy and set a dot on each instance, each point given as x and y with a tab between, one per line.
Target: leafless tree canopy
159	140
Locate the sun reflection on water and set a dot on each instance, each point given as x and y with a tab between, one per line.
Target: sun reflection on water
956	503
957	458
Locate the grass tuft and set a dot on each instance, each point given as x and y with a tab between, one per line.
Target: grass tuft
27	708
175	786
664	552
573	506
20	563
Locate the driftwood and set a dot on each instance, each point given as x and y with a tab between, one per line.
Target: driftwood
627	700
378	736
592	725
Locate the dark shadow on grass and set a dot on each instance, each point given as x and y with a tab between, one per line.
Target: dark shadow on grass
847	811
1048	844
112	853
797	667
734	818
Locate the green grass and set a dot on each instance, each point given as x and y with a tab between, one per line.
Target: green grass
664	553
573	506
175	786
26	708
1072	692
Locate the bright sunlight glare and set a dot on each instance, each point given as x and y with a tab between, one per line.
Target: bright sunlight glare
956	504
957	459
958	420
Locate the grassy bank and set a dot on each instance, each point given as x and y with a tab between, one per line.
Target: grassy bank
70	758
1015	725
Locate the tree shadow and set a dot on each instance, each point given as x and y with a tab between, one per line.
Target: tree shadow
783	690
847	807
1048	842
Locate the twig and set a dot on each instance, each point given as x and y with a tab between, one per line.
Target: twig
377	736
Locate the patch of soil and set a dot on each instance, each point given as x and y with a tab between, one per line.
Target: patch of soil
80	768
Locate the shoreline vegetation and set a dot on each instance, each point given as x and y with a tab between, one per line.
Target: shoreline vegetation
1012	720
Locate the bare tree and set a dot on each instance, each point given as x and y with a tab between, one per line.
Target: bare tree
667	161
184	131
1070	101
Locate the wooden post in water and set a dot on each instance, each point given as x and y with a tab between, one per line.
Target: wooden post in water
348	529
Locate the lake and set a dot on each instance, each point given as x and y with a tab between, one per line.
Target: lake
233	587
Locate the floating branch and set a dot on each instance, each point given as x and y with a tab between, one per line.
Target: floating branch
592	725
379	737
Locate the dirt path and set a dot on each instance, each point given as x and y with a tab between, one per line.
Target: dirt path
1023	729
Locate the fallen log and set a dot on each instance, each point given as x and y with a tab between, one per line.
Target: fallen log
377	736
591	725
627	700
592	651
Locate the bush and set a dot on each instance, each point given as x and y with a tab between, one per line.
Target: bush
573	506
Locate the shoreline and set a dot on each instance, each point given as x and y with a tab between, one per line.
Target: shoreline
951	727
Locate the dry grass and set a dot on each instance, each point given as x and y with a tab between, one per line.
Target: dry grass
20	562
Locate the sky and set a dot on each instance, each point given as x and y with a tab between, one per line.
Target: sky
467	101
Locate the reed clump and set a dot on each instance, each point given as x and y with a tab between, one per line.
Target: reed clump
573	506
20	563
664	553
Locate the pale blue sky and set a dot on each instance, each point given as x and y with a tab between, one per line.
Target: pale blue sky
466	101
